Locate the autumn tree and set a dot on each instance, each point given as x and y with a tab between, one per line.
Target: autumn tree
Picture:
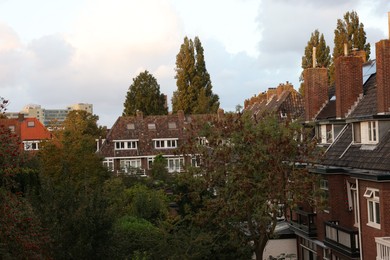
71	201
249	176
351	31
144	95
194	89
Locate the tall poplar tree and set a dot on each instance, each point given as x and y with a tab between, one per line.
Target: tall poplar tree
323	58
194	89
144	95
351	31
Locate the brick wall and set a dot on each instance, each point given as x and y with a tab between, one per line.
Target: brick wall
349	83
316	90
383	75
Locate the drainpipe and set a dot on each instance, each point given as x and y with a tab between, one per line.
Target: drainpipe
360	222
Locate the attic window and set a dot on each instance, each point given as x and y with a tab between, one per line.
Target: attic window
30	124
130	126
356	133
172	125
12	128
369	132
152	126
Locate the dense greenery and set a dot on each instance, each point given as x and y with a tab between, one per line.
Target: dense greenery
144	95
194	89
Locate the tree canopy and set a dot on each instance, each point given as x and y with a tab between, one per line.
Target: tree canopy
194	89
323	57
144	95
248	176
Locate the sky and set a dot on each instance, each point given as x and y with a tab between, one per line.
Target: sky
56	53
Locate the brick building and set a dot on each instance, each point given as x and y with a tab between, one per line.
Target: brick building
352	125
31	131
134	141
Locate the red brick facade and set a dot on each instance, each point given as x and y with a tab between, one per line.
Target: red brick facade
383	80
349	83
316	91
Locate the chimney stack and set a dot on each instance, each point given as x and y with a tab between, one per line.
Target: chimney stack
139	114
383	74
180	115
314	57
316	91
349	83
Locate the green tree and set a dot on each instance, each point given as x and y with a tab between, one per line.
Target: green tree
248	176
144	95
71	200
194	89
349	30
323	58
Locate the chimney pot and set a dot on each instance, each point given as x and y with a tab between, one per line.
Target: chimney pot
345	49
314	57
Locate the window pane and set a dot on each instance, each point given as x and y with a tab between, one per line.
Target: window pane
371	211
377	213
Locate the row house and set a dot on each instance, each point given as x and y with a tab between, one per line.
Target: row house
31	131
134	141
352	123
283	100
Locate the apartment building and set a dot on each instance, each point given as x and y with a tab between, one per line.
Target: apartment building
352	123
49	116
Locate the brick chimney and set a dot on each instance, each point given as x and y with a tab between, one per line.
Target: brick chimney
271	92
220	113
316	91
139	115
349	83
180	115
383	75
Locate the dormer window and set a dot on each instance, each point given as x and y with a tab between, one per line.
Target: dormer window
165	143
126	145
366	132
30	124
326	133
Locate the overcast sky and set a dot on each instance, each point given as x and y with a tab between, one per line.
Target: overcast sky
60	52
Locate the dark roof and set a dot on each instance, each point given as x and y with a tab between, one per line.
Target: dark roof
328	112
368	105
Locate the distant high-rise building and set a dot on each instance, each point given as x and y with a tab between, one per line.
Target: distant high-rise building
49	116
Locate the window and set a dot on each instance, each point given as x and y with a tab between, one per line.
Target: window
165	143
30	124
373	207
196	161
130	126
31	145
152	126
353	201
372	131
109	164
356	133
126	145
203	141
326	133
369	132
172	125
130	165
175	164
12	128
325	194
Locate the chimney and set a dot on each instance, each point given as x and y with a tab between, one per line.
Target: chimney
220	113
180	115
283	87
383	74
349	83
314	57
140	115
316	91
270	93
20	117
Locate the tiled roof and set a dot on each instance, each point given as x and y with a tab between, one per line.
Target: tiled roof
368	105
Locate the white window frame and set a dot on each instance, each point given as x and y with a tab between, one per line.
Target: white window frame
353	202
31	145
127	164
131	144
373	207
327	137
166	143
324	185
369	132
109	164
175	164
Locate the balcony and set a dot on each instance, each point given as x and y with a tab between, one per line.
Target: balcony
341	239
303	222
382	248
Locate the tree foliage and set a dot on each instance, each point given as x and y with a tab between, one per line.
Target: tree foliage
351	31
194	89
144	95
248	176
